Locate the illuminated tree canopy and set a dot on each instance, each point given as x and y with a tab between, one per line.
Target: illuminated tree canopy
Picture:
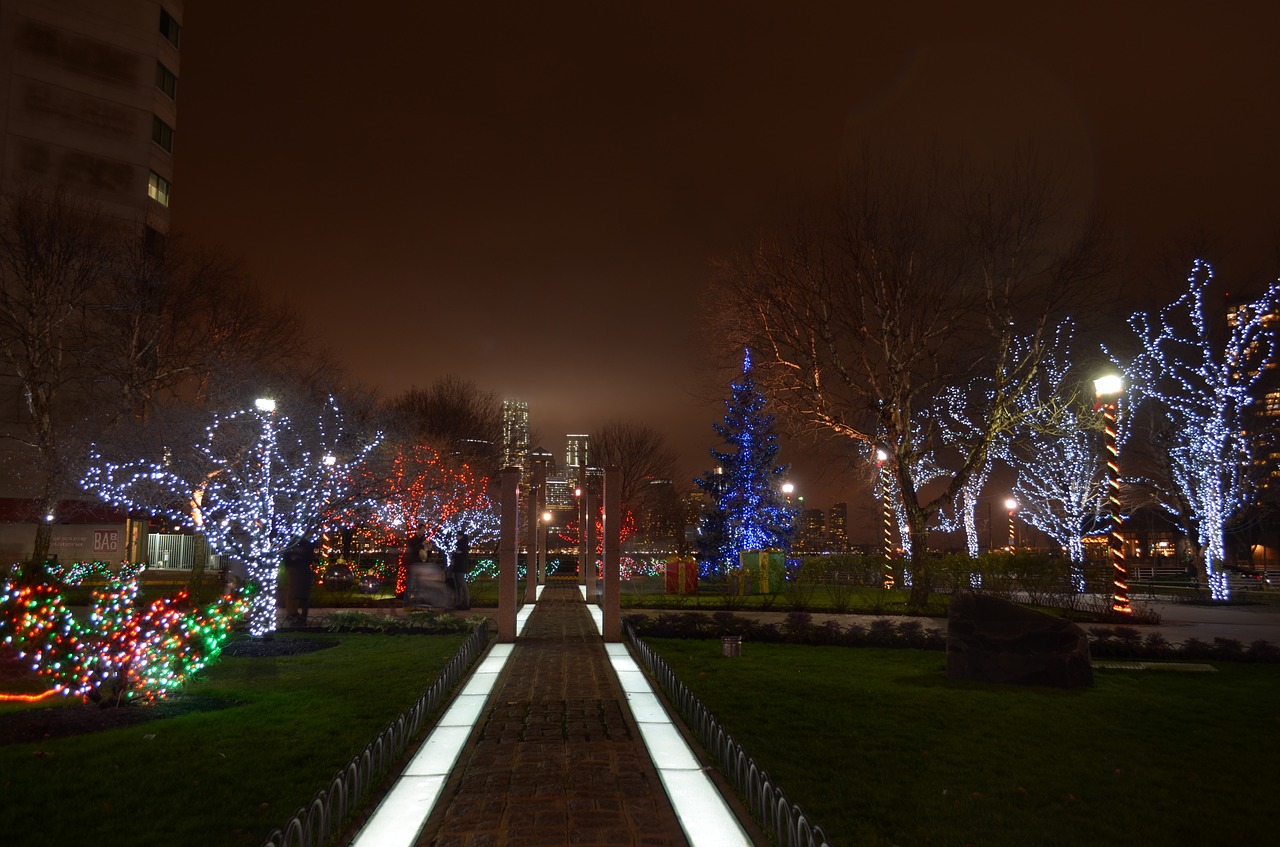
257	486
1199	381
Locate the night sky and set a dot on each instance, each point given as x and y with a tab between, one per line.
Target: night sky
530	194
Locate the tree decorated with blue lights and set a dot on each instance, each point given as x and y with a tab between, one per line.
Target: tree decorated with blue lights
1201	384
746	508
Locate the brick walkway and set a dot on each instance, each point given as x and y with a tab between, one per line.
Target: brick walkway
556	759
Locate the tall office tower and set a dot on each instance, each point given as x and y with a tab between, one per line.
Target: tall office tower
88	102
811	532
838	527
515	435
577	454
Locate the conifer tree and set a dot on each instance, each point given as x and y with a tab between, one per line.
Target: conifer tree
746	509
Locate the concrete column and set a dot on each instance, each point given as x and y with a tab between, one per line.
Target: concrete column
508	554
589	507
540	489
531	544
612	550
583	555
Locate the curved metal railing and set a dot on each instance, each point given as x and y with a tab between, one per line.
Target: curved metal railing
781	819
321	818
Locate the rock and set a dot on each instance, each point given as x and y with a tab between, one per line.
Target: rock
995	640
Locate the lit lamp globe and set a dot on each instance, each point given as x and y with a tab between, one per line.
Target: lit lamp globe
1011	504
265	404
1108	385
788	488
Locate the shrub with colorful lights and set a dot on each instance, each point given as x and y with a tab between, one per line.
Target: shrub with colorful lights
124	653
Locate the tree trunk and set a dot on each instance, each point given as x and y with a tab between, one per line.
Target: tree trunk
921	573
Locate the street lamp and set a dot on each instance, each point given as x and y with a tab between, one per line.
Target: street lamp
787	490
265	404
1012	505
882	462
1108	388
544	520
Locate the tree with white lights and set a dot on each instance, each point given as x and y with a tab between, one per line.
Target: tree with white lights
1201	383
257	486
1058	454
747	510
960	418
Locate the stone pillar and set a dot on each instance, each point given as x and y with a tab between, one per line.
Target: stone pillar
508	554
531	544
540	494
589	507
583	554
612	550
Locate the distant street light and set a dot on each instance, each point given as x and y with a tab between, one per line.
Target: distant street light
1012	505
265	404
1108	388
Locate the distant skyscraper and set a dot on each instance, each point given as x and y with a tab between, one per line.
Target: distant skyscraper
88	102
838	527
515	435
810	530
576	454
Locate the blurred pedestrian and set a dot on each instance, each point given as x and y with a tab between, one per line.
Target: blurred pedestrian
297	568
460	567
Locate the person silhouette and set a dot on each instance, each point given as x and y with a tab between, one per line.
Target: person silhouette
460	563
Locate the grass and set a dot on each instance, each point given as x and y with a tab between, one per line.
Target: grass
226	776
880	748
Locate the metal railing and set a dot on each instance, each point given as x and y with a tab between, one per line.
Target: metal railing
323	817
782	820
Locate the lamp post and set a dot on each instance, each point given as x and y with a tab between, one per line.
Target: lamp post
542	546
787	490
1108	388
1012	505
882	462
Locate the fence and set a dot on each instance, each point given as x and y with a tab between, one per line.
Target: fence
319	820
783	821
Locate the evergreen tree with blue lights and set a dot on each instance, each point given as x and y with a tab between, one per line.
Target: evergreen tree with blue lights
745	507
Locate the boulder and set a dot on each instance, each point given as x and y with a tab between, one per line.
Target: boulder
995	640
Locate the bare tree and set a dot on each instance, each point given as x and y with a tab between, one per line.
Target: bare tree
454	416
916	281
55	253
640	453
100	325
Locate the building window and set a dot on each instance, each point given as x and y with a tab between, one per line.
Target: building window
166	81
170	28
159	189
162	133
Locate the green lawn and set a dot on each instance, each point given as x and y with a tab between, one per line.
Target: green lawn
225	776
880	748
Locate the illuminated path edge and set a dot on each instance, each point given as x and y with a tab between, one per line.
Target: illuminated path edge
703	814
399	818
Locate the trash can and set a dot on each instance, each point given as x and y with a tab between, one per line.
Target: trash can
731	646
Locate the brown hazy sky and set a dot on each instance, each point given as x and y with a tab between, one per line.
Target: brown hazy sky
529	194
